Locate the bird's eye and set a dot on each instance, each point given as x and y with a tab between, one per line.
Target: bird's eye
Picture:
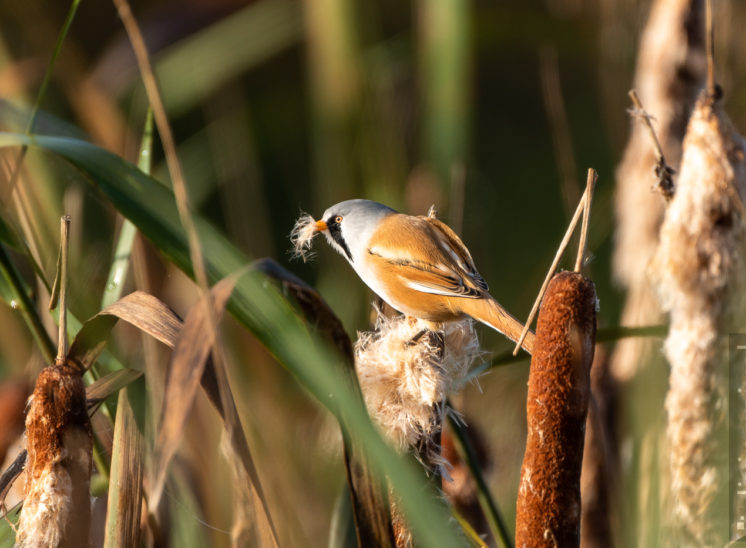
338	219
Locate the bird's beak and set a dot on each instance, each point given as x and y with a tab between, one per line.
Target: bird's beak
321	226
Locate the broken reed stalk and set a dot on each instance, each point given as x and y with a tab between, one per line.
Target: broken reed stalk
548	506
57	509
663	171
590	182
62	330
699	269
590	186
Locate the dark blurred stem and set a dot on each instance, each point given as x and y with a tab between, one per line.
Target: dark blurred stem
554	104
494	518
26	306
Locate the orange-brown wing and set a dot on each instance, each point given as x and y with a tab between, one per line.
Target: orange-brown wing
425	259
459	251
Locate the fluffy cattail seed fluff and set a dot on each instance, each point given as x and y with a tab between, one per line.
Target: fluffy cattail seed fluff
301	236
699	269
405	384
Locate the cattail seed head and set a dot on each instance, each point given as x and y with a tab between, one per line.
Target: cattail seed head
56	510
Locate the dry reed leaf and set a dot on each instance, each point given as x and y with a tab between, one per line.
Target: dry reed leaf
548	506
57	509
699	271
191	350
140	309
189	367
109	384
125	479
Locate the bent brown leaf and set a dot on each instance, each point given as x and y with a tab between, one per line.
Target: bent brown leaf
140	309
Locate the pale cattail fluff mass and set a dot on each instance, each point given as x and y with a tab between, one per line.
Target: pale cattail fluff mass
53	501
301	236
405	379
699	268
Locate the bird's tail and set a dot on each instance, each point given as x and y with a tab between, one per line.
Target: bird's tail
490	312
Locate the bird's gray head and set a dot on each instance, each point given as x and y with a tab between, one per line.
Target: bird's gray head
350	224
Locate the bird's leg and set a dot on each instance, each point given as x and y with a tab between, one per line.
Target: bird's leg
416	339
435	339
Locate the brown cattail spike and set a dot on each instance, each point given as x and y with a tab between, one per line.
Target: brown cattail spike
57	509
548	508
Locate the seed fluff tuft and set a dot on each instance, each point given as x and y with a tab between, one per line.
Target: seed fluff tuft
301	236
405	378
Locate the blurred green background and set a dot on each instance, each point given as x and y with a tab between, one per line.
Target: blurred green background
492	111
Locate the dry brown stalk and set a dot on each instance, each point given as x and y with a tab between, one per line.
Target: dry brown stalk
548	507
699	272
663	171
582	208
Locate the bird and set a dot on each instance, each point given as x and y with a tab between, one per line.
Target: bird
416	264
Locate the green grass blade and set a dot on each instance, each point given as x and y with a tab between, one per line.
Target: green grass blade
118	270
7	535
15	292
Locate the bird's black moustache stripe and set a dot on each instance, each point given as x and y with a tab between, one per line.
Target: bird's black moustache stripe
336	232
